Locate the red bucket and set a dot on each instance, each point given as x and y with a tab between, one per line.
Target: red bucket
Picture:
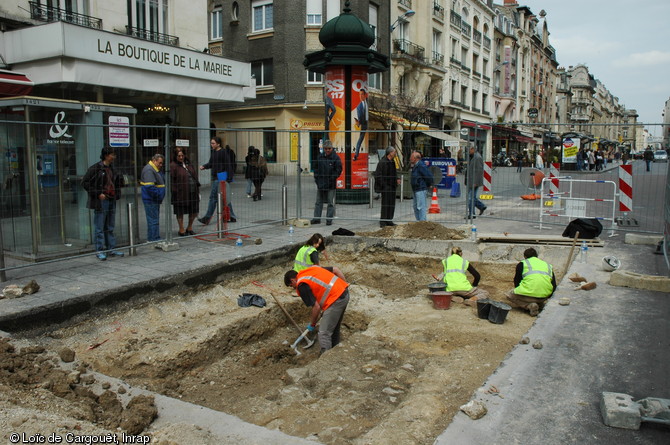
441	299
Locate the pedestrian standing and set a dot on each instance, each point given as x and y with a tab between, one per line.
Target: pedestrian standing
387	180
185	191
103	186
328	169
152	181
519	162
421	180
219	162
591	159
258	172
247	171
539	162
474	179
625	156
648	157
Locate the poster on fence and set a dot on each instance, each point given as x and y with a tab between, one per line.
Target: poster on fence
570	149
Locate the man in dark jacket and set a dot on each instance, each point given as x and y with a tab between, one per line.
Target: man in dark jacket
219	162
420	180
387	180
648	157
103	186
328	169
473	180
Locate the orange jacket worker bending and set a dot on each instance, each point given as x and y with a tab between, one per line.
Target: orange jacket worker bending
322	290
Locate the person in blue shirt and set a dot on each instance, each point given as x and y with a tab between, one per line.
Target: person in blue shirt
152	181
421	179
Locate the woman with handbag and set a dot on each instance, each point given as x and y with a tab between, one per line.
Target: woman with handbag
185	191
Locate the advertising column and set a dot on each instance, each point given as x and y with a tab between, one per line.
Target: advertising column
347	123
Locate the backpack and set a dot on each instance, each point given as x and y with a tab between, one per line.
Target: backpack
378	176
587	228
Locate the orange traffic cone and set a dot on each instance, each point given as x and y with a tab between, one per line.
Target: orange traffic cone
434	206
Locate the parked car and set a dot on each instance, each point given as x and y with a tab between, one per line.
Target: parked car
660	156
638	155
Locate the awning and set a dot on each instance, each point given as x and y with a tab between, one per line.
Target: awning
441	135
14	84
409	125
520	138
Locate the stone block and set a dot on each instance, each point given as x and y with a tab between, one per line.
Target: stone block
167	247
625	278
638	238
620	411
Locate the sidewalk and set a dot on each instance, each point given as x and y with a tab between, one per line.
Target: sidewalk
608	339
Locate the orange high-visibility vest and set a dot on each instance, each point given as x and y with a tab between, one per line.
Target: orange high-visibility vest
325	285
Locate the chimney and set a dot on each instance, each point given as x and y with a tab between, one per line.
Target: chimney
511	3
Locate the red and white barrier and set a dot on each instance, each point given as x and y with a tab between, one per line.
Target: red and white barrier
554	172
626	188
487	176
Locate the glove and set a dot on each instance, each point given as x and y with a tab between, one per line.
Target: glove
310	327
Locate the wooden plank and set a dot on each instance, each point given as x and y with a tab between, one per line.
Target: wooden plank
539	239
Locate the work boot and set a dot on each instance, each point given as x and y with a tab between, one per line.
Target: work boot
315	221
533	309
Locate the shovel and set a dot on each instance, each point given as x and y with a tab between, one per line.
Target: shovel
303	335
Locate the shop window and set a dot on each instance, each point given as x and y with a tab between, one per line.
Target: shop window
262	71
262	15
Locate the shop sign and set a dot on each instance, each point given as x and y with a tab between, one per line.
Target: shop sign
119	131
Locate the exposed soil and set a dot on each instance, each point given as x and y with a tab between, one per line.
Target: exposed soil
399	375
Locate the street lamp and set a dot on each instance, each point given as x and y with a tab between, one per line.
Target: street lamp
506	62
402	18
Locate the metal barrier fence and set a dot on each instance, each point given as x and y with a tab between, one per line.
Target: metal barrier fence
43	213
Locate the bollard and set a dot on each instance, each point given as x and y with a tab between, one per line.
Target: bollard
219	219
284	205
402	187
131	230
371	189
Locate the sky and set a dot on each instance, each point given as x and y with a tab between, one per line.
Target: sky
625	44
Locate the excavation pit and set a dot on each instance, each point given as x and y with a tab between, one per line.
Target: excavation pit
399	375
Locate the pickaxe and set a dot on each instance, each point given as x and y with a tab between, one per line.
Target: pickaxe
294	346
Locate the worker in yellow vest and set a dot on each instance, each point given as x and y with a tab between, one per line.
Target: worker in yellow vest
323	290
454	275
308	254
534	283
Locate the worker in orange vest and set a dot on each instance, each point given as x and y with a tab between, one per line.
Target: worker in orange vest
325	290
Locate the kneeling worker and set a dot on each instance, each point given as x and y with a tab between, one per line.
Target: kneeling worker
455	267
534	283
322	289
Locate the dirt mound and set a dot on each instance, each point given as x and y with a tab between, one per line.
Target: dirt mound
34	368
418	230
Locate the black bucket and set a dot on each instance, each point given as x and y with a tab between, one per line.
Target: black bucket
483	308
438	286
498	312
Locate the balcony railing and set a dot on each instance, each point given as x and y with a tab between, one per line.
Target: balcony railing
438	59
486	78
466	29
487	42
455	19
410	49
477	74
477	36
455	61
406	3
438	11
153	36
53	14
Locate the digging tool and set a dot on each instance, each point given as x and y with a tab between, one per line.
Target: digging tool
307	340
572	249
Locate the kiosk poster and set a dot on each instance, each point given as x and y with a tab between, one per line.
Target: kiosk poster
570	149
